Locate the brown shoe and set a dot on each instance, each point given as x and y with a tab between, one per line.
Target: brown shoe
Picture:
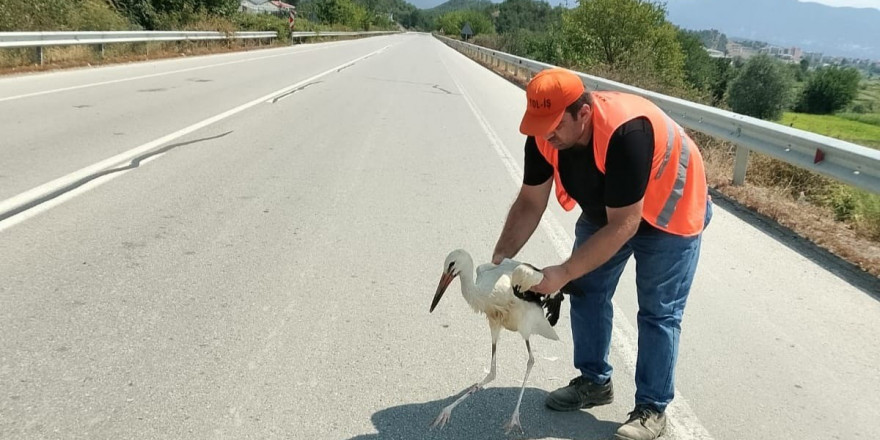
644	423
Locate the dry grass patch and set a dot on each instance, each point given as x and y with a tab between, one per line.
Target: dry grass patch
794	198
19	60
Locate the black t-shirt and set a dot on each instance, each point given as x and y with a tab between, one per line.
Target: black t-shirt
627	170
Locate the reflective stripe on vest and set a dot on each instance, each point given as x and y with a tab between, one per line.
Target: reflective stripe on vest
678	187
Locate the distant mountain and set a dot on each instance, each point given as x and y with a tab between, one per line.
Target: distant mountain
848	32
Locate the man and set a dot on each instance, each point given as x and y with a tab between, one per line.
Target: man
640	183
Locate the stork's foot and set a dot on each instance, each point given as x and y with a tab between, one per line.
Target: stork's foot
514	424
442	418
444	415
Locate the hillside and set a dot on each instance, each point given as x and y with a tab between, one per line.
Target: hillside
455	5
849	32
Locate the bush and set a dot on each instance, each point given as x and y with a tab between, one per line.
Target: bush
540	46
829	89
267	22
44	15
761	89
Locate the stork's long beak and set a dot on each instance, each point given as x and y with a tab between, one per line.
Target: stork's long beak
445	279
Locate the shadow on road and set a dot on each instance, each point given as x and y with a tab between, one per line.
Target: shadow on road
483	415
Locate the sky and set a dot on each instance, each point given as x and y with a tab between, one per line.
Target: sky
852	3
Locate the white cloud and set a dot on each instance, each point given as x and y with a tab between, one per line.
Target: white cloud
852	3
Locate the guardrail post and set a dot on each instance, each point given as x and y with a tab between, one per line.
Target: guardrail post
739	167
38	55
99	51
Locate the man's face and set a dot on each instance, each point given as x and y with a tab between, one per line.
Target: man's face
571	130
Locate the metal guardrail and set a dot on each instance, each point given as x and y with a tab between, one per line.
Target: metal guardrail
338	33
844	161
38	40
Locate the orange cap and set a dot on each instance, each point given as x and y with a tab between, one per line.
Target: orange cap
548	94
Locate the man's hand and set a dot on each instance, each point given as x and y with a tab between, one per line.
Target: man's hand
497	258
554	278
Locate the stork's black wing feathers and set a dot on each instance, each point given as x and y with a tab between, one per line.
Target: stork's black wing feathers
529	296
551	305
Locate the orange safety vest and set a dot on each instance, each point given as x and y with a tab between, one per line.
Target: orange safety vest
675	199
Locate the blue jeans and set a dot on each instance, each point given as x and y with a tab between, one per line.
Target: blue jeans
665	266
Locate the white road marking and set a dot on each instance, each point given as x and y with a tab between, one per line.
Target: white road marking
49	204
27	197
152	75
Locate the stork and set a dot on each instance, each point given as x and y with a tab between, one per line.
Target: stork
501	293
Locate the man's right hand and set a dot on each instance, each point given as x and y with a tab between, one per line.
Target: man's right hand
497	258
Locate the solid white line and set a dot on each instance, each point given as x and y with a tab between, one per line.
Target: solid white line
682	420
152	75
47	188
49	204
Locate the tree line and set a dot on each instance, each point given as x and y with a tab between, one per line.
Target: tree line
222	15
631	41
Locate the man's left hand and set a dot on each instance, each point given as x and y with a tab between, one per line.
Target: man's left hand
554	278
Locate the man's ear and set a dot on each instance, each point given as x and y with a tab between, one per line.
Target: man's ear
585	111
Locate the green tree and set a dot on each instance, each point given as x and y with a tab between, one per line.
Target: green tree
711	39
524	14
628	35
344	12
699	68
761	89
829	89
159	14
724	73
452	22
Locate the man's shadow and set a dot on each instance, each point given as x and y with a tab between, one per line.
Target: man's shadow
483	415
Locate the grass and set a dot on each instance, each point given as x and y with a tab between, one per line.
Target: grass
835	126
867	118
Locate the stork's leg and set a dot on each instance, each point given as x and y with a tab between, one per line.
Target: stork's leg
444	415
514	419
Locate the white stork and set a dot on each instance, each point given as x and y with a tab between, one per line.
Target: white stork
501	293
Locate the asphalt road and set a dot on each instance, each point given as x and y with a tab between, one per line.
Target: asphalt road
246	245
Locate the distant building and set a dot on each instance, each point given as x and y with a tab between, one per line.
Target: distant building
735	50
715	53
789	54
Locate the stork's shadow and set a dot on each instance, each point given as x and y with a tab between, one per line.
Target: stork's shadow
483	415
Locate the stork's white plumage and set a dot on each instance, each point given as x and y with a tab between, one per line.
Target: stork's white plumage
501	293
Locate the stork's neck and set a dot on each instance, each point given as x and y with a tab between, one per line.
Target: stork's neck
468	288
